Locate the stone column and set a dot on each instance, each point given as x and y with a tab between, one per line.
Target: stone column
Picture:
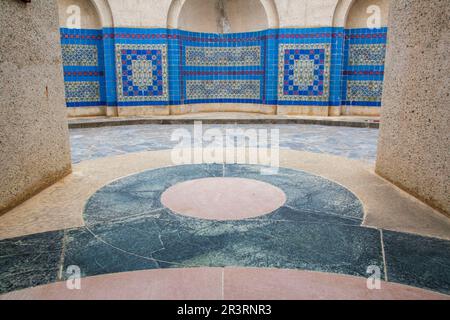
414	146
34	142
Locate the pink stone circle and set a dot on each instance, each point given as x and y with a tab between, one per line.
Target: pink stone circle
223	198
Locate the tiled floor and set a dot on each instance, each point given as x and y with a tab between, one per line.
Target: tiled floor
224	283
352	143
314	234
318	228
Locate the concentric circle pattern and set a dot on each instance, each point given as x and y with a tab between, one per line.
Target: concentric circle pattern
314	223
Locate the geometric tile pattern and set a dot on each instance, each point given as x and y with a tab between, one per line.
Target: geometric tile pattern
367	91
304	72
363	67
79	55
223	89
367	54
142	72
223	56
82	91
286	66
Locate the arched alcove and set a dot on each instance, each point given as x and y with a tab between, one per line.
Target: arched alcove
222	16
89	17
361	11
82	23
364	51
341	12
353	14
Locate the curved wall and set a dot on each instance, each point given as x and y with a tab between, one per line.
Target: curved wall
34	138
223	68
82	54
358	15
414	134
362	79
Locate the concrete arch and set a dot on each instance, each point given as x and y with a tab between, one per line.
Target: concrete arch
176	7
272	13
104	12
96	14
352	14
341	12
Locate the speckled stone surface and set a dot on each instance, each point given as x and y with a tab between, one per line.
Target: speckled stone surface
414	133
93	143
34	140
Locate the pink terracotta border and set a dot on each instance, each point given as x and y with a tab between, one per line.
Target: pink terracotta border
224	283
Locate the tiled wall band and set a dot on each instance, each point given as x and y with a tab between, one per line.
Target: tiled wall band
138	67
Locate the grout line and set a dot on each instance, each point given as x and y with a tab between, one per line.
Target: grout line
223	283
384	256
61	258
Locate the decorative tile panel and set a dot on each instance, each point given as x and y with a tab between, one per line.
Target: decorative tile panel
367	54
304	72
141	72
223	56
84	69
311	66
79	55
363	69
223	89
368	91
82	91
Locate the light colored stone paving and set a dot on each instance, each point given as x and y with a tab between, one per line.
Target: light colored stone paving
352	143
61	206
224	283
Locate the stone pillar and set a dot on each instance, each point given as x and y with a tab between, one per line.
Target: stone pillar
34	143
414	146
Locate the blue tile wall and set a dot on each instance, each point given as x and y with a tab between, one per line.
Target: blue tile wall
83	66
363	74
221	68
137	67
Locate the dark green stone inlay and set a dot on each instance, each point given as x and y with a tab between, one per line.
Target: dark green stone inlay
30	261
418	261
168	241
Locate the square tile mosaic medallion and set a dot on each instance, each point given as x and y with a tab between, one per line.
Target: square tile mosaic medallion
367	54
141	72
79	55
223	56
368	91
223	89
304	72
82	91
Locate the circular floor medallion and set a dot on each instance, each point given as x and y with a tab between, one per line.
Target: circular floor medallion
223	198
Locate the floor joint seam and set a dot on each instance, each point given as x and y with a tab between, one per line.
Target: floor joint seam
386	278
61	258
223	283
